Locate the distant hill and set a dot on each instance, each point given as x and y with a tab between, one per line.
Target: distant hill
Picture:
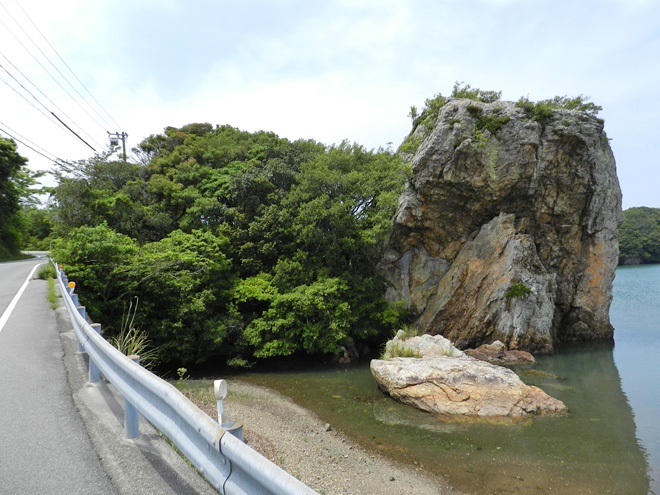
639	236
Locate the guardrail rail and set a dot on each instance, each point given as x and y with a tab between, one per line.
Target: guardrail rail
228	464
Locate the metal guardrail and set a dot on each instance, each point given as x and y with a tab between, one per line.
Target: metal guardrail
228	464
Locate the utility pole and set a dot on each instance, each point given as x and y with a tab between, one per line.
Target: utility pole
114	140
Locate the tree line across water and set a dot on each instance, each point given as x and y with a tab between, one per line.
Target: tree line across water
639	236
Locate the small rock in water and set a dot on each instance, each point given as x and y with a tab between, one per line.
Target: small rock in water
328	427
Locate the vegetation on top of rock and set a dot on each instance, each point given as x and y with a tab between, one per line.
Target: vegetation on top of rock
492	123
465	91
399	349
541	111
639	236
428	117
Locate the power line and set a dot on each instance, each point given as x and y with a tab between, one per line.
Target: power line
51	63
45	96
70	70
28	146
28	140
31	104
72	131
51	112
52	77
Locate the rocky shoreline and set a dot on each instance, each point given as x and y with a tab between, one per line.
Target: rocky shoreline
313	451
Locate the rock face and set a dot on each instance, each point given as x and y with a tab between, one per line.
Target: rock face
450	384
529	205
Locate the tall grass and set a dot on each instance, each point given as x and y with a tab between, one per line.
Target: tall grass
133	341
52	294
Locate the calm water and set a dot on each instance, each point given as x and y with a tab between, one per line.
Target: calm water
635	314
609	442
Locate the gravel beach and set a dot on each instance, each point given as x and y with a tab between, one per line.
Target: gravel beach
323	458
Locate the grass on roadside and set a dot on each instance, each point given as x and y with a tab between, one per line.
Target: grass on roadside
46	271
52	294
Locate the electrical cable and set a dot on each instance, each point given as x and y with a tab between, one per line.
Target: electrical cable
51	63
33	105
52	77
50	111
45	96
70	70
26	139
28	146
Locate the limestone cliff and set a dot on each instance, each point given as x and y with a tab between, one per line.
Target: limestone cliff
498	202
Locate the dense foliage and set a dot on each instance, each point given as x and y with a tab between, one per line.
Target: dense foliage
639	235
238	245
15	183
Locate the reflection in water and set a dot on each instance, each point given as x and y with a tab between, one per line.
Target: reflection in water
635	314
592	450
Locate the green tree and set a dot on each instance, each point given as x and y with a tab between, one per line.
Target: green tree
182	284
16	182
236	244
319	287
37	227
639	235
95	257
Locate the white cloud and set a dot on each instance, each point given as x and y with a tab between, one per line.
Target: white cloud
347	69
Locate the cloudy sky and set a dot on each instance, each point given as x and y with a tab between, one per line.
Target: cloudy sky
325	70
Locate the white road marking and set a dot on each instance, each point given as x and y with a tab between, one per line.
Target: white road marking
14	301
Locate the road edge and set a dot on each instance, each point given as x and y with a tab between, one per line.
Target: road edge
143	466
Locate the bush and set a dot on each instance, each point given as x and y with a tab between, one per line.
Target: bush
46	271
462	90
541	111
397	349
517	290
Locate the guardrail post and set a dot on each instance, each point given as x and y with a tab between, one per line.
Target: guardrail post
220	390
94	372
131	417
232	427
81	310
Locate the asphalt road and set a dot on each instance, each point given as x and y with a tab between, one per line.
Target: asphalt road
59	434
44	447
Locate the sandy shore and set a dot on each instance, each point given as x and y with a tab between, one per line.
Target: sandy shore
323	458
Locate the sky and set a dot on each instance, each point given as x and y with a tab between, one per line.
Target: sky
323	70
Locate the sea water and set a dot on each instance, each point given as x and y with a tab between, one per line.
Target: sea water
635	314
608	443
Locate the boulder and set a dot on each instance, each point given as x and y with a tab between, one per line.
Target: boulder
497	353
508	232
452	384
444	381
462	386
423	346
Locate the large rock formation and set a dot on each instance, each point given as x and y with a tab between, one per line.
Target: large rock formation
508	231
444	381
